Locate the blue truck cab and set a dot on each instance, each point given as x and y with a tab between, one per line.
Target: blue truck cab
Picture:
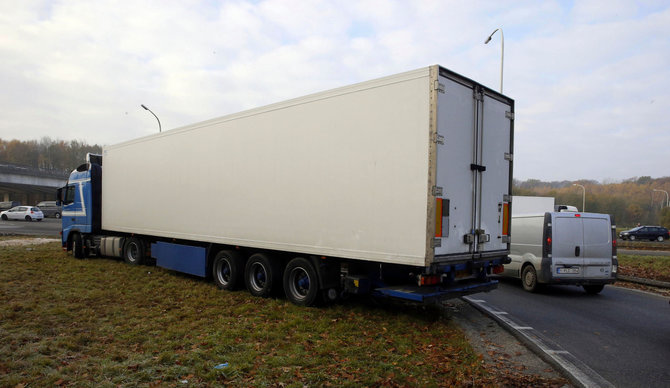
81	198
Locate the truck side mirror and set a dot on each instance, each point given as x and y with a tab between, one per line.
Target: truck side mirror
59	196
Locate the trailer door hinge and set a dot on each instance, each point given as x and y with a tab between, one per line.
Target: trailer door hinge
437	191
509	156
509	115
438	86
436	242
437	138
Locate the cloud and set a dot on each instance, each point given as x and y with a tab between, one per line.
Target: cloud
590	79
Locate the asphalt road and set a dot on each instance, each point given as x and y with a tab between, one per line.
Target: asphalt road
48	227
621	334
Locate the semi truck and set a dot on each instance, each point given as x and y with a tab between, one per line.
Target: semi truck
397	187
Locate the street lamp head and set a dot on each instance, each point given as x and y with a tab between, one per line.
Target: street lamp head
487	40
145	108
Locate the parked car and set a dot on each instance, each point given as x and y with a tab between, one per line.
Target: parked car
50	209
8	205
652	233
27	213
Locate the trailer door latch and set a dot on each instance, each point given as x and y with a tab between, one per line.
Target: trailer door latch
477	167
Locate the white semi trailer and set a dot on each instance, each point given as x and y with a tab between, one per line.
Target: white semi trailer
398	186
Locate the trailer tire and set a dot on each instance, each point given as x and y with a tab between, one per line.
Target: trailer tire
261	275
228	270
77	246
133	251
301	282
529	278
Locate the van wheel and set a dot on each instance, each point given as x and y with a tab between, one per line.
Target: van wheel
301	283
261	275
228	270
133	251
660	238
594	289
529	278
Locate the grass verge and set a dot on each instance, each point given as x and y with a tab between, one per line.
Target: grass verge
647	267
100	322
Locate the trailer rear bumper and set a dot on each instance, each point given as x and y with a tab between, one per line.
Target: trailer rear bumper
435	294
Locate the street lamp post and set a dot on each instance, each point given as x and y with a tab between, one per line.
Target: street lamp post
159	122
583	196
502	53
667	197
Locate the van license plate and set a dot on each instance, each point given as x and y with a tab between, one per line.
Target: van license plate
568	270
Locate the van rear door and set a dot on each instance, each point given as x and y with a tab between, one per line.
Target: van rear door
582	246
597	246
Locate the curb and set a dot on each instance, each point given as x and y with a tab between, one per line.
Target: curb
646	282
578	373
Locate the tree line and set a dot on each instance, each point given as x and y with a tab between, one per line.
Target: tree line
631	202
46	153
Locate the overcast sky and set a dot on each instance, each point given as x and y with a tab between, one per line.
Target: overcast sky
591	79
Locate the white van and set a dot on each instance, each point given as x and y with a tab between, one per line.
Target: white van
563	248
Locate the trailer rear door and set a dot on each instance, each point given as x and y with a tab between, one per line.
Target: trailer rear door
473	172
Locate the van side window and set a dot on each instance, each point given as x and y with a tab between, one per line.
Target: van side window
69	195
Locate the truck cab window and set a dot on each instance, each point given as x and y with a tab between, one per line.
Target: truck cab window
69	195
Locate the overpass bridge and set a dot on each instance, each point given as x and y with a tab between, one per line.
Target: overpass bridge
29	185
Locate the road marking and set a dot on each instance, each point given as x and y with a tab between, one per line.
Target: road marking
580	374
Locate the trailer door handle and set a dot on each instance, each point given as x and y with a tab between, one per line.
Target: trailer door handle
577	251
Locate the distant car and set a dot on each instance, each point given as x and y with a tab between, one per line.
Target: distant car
8	205
27	213
50	209
652	233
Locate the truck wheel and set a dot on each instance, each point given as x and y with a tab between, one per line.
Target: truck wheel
228	270
529	278
77	246
133	251
301	283
594	289
261	275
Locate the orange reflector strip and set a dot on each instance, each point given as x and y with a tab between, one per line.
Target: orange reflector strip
438	218
505	226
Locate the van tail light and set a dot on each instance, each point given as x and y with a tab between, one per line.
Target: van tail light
613	235
546	236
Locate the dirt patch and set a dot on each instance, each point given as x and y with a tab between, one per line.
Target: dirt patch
26	242
503	355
